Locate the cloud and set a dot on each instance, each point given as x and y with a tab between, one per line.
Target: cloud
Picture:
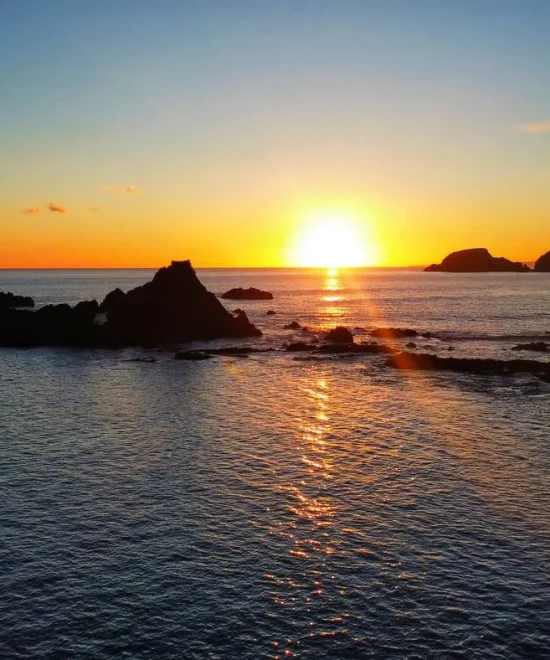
540	127
125	190
56	208
31	210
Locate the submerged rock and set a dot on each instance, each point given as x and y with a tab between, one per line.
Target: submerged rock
9	300
300	346
174	307
339	335
428	362
536	346
192	355
393	333
270	312
247	294
476	260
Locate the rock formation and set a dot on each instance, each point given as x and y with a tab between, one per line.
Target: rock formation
9	301
174	307
476	260
542	264
339	335
428	362
247	294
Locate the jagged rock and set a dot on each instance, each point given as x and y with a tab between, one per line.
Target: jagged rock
293	325
393	333
339	335
174	307
9	300
247	294
426	361
476	260
537	346
542	264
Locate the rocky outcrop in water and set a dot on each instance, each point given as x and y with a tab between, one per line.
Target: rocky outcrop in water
10	300
393	333
542	264
174	307
293	325
339	335
247	294
428	362
476	260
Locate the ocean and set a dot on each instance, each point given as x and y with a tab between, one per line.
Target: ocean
283	505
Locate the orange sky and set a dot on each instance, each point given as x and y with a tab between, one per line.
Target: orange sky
216	135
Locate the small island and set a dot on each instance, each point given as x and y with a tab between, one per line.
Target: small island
477	260
542	264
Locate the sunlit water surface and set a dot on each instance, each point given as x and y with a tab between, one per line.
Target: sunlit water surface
274	507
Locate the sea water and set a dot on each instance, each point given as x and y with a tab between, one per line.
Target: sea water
280	506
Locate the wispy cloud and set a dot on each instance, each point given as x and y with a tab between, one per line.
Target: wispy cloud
56	208
133	190
540	127
125	190
31	210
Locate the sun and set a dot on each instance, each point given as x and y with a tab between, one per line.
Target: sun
334	239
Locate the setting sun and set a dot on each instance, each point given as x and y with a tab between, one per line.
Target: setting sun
332	240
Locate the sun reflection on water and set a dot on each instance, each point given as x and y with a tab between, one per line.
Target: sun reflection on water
310	525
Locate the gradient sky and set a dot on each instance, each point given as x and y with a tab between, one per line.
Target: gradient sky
134	132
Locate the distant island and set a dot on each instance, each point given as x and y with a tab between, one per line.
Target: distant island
174	307
480	260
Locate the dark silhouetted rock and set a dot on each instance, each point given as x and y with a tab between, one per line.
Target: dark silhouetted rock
476	260
247	294
428	362
394	333
293	325
542	264
270	312
536	346
10	300
410	344
192	355
339	335
174	307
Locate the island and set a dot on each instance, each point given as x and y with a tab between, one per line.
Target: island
173	307
477	260
542	264
247	294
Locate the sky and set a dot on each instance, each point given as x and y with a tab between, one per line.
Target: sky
135	132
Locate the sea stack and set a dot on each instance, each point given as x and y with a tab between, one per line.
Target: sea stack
174	307
477	260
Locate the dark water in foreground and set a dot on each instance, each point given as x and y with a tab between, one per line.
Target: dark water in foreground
271	507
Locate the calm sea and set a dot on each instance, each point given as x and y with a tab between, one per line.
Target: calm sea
280	506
